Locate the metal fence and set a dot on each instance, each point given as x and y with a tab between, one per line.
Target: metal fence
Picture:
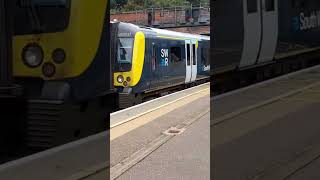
166	17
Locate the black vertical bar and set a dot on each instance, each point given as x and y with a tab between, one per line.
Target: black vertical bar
110	69
211	43
6	33
12	111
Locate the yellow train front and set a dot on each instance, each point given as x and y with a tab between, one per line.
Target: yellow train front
150	62
61	60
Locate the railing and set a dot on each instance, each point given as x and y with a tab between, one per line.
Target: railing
167	17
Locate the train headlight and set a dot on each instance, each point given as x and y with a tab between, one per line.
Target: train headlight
32	55
59	56
48	69
128	79
120	79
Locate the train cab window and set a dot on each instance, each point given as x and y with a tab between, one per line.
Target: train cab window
269	5
252	6
124	53
188	55
125	50
175	53
41	16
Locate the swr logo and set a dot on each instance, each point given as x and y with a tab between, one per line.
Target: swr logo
164	57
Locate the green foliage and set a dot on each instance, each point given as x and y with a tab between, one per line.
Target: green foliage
131	6
197	2
113	4
166	3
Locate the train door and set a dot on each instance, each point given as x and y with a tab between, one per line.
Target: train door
153	64
252	32
188	61
194	58
270	30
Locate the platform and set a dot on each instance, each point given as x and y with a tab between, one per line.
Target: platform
143	148
149	151
270	130
138	139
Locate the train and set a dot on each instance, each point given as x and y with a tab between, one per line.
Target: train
72	67
264	37
61	62
150	61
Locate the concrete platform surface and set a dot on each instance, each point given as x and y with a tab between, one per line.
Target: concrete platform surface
271	131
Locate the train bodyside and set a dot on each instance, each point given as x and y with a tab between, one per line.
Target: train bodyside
203	55
228	30
258	32
171	63
169	59
299	27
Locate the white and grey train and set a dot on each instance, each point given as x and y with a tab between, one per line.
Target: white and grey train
252	33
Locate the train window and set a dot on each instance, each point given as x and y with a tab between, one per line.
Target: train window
305	4
269	5
188	54
298	4
204	56
153	50
125	50
175	53
194	54
252	6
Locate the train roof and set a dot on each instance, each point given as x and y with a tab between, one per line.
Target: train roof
163	32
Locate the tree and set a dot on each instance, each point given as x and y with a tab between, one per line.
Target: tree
197	2
131	5
113	4
168	3
121	2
